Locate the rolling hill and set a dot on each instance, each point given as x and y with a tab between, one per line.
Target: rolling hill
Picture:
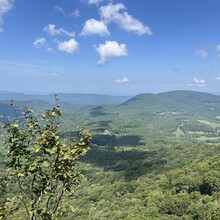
72	99
153	156
156	117
176	101
70	102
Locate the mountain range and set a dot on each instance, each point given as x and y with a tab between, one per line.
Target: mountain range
68	101
152	156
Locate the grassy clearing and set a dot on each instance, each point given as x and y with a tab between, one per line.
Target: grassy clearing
179	132
211	139
211	124
198	133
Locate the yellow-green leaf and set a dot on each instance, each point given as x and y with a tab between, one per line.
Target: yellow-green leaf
20	174
15	125
37	148
45	164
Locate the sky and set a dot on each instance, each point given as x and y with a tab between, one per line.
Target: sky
114	47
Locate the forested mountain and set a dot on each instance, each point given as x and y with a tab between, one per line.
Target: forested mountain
154	156
67	99
156	118
176	101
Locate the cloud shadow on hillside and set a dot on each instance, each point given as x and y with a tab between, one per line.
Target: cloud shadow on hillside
132	163
116	141
122	154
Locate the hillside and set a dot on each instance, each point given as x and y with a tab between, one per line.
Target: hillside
168	130
6	108
156	118
176	101
154	156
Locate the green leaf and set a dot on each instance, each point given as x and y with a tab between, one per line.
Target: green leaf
71	208
45	164
32	168
20	174
15	125
37	148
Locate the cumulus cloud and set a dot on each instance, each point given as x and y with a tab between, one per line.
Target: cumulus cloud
199	82
51	30
201	53
69	46
117	14
93	26
110	49
39	42
93	1
123	80
5	6
59	10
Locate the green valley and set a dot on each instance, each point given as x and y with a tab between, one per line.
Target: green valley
153	156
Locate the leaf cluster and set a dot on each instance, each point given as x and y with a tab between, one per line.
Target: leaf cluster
41	165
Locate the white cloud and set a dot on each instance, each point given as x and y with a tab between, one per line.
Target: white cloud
217	78
201	53
5	6
93	26
117	14
199	82
93	1
51	30
123	80
75	14
69	46
59	10
110	49
39	42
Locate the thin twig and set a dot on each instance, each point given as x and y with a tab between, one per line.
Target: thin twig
23	197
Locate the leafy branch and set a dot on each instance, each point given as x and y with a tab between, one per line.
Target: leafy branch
41	164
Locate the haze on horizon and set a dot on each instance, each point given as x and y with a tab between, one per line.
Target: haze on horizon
113	47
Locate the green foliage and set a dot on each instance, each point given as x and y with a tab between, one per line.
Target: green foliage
139	168
153	157
176	194
41	166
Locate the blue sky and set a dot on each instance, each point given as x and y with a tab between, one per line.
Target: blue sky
116	47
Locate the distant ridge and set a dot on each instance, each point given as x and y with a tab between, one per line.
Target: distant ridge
180	100
69	102
183	94
173	101
74	99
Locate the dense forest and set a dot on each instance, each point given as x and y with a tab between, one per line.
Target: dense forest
152	156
